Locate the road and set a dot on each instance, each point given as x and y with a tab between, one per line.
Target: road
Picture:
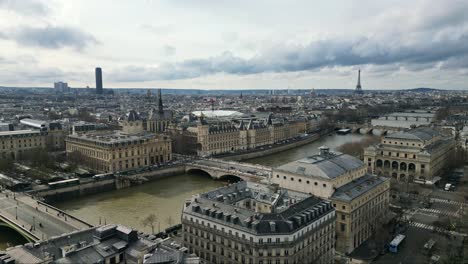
257	170
41	220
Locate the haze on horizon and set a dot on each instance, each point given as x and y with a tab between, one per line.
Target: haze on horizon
221	44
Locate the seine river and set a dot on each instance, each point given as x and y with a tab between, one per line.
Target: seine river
165	197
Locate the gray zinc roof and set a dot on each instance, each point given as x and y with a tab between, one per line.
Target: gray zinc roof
329	166
422	134
356	188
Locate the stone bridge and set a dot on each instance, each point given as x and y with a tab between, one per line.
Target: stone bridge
35	220
409	117
370	129
219	169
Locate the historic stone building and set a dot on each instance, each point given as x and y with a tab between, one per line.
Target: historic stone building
13	144
159	119
361	200
111	151
208	137
255	223
419	153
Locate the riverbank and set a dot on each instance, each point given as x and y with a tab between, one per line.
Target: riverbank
89	187
92	186
165	196
273	149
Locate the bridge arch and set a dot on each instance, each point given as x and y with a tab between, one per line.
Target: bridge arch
198	171
230	178
22	237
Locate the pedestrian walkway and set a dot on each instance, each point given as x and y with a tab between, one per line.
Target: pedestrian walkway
435	229
438	200
437	212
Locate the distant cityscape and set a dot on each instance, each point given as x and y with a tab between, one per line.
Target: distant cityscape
402	180
226	132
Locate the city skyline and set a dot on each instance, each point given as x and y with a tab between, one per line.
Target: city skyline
224	45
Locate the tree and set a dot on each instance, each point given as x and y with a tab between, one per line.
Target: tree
457	158
357	148
6	164
74	157
169	220
150	220
442	113
86	116
38	158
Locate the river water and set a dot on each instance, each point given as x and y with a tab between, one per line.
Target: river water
165	197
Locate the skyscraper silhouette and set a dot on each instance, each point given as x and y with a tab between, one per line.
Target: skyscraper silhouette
99	81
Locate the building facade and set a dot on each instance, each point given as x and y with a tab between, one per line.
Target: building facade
112	151
99	88
419	153
13	144
61	87
159	119
215	137
254	223
361	200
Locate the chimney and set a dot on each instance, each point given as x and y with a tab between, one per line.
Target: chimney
324	150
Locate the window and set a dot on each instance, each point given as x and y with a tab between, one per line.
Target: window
315	183
343	227
343	217
307	182
324	185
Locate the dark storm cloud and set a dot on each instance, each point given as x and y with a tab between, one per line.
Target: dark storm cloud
24	7
51	37
428	35
326	53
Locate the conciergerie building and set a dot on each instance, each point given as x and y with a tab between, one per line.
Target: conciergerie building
120	150
255	223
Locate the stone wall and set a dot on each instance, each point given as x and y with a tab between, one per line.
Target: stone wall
273	150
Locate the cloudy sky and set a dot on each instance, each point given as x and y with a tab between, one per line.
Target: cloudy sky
232	44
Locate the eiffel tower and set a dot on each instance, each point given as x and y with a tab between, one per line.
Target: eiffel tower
358	86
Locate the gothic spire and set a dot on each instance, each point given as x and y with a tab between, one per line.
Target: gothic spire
160	103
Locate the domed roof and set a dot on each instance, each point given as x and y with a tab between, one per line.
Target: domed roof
133	116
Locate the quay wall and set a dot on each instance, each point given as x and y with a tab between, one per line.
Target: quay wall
92	187
273	150
164	172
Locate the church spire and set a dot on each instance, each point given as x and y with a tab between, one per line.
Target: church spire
160	103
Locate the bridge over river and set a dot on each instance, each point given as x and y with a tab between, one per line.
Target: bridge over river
219	169
34	219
